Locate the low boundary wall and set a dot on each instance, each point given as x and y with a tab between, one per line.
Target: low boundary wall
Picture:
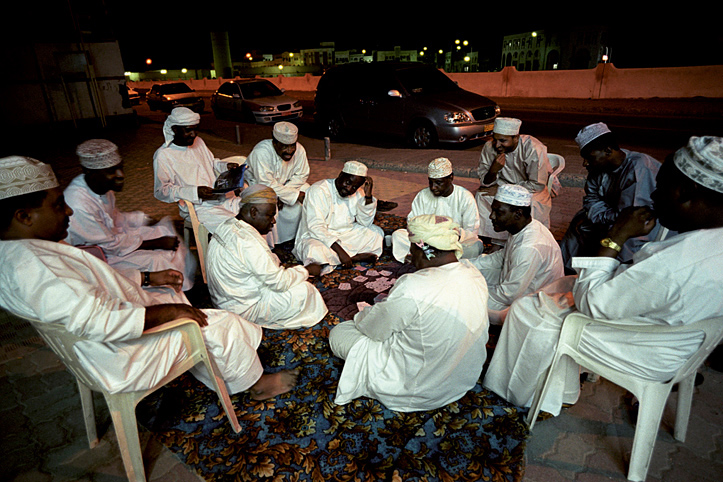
603	82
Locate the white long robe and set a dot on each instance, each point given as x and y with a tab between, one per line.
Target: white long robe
422	347
58	283
530	260
286	178
97	221
527	166
459	205
328	218
179	171
671	282
245	277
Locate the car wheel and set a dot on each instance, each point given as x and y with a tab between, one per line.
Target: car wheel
334	127
423	135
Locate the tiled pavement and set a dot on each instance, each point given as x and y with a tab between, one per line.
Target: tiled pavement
43	437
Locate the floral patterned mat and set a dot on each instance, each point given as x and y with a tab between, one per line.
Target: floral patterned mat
304	436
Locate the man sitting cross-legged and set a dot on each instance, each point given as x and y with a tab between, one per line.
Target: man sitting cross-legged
424	345
54	282
530	258
443	198
245	277
672	282
337	222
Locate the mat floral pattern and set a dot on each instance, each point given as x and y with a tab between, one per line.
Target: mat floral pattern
304	436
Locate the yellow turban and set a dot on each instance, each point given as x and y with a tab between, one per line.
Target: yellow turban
258	194
437	231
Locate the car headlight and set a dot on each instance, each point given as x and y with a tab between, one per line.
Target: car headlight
497	110
297	104
266	108
456	117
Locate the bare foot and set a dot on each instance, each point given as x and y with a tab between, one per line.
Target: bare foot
273	384
314	269
364	257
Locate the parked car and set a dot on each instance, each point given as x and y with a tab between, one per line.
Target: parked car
254	100
175	94
409	99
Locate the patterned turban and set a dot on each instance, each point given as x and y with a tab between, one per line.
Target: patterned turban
437	231
98	154
702	161
439	168
589	133
514	195
180	116
355	168
22	175
286	132
258	194
507	126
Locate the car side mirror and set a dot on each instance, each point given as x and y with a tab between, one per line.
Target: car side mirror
394	93
236	96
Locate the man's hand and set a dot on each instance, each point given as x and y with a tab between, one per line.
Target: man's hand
633	221
205	193
496	167
498	163
231	165
344	257
169	243
302	196
168	277
488	190
159	314
368	186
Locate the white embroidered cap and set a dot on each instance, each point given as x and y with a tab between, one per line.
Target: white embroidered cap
702	161
22	175
439	168
355	168
98	154
180	116
513	194
589	133
507	126
286	132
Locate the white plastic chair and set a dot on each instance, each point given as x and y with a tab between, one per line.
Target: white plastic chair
553	182
122	406
201	235
651	395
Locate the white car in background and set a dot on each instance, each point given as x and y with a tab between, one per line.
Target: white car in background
254	100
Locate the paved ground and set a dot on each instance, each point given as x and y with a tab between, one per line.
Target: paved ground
43	436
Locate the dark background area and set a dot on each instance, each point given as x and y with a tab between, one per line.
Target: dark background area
177	34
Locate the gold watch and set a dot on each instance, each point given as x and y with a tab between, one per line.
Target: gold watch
609	243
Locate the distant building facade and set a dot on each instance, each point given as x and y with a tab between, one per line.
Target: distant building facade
564	49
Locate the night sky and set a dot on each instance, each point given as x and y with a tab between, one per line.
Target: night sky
177	35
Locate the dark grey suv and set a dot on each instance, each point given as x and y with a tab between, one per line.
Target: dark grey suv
408	99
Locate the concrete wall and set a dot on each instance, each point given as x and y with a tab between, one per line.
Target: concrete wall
62	83
603	82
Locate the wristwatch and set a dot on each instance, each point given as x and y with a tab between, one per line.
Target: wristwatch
146	278
609	243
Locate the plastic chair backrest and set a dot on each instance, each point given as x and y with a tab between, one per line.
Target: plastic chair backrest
122	405
652	395
553	182
201	235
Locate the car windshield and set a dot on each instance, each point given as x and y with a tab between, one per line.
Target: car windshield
425	80
175	88
254	90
